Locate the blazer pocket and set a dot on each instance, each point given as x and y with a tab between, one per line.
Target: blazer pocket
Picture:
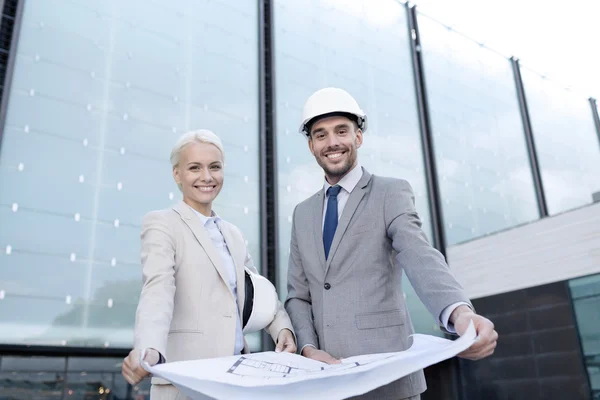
184	331
362	230
380	319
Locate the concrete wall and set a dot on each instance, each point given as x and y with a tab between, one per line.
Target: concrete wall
550	250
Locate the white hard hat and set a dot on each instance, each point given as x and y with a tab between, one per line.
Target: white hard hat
260	303
331	101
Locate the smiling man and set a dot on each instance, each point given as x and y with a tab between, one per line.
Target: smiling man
350	243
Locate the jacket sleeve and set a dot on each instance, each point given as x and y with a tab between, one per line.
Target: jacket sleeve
155	307
425	267
299	303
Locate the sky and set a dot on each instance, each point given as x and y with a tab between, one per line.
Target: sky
555	38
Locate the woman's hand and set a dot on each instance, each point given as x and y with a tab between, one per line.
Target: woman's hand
132	371
285	342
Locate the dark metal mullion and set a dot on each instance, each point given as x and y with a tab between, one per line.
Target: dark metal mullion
268	173
272	182
112	382
594	106
264	234
10	63
431	175
65	380
527	129
435	205
2	8
61	351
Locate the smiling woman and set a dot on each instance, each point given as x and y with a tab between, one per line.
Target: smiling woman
196	269
198	161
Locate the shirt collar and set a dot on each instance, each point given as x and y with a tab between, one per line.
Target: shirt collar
204	219
349	181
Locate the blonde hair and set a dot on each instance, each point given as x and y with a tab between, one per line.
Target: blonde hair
199	136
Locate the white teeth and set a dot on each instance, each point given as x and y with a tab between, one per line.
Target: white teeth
334	155
206	188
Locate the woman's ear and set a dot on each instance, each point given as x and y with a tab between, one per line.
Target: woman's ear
176	175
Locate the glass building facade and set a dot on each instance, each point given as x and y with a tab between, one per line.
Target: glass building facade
365	50
566	142
100	92
97	92
484	174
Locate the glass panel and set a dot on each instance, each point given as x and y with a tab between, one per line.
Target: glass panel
30	364
100	93
86	385
586	301
566	143
44	378
483	167
40	385
141	391
95	378
364	48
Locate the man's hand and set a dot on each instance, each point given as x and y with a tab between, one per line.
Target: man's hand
285	342
319	355
488	337
132	371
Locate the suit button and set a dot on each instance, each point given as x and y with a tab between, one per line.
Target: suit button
327	286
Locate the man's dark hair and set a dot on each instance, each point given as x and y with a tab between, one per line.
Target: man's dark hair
314	120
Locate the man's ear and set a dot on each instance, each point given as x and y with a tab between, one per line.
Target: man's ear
359	137
310	144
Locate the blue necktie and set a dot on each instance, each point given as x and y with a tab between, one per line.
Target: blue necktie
331	218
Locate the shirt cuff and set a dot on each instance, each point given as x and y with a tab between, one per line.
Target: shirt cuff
161	359
445	316
305	346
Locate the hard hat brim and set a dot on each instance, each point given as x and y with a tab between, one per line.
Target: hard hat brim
260	303
361	121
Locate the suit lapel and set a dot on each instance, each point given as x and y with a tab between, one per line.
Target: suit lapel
236	249
317	224
193	222
349	209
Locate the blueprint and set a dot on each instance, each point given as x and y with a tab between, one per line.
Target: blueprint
271	365
271	375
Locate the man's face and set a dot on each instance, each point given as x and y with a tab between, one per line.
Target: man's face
334	142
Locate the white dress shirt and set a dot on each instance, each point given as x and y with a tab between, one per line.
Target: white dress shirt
211	224
348	183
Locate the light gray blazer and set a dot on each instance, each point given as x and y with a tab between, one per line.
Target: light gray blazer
186	309
353	303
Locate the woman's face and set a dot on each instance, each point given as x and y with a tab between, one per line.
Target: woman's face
200	175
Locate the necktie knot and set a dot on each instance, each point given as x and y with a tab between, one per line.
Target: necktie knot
333	191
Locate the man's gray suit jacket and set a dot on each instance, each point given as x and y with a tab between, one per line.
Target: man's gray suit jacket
353	303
